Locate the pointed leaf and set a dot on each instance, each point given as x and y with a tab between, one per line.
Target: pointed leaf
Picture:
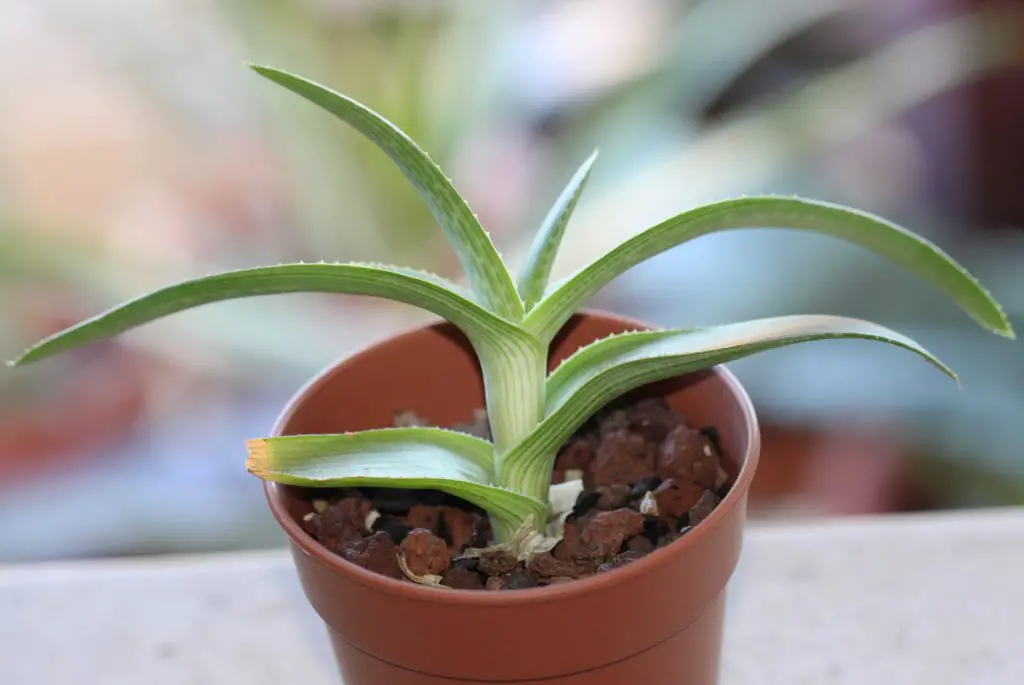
487	273
408	458
423	290
604	370
910	251
533	280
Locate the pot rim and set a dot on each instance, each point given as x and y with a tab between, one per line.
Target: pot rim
309	546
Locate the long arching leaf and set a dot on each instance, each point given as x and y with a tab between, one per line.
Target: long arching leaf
488	275
423	290
889	240
533	280
604	370
408	458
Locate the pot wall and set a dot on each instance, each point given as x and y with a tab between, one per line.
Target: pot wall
656	620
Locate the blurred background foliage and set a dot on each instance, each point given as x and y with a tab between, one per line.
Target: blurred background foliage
136	149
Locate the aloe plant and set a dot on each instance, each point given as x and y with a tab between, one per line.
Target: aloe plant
511	322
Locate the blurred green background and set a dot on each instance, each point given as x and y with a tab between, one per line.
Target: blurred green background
136	148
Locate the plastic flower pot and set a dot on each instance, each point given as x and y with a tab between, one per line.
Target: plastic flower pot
657	620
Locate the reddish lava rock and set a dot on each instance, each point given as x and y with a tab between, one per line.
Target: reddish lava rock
655	419
341	522
334	537
605	531
675	499
688	456
640	543
571	549
576	454
546	568
613	422
613	496
651	418
376	553
353	510
516	580
597	537
425	553
423	516
461	578
700	511
459	526
497	562
622	458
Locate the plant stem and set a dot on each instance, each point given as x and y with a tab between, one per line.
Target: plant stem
515	371
514	376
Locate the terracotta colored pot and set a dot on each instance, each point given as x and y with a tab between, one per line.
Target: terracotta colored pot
657	620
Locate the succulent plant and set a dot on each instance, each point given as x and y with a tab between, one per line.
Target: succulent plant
511	323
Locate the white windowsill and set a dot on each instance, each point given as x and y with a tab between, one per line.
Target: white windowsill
930	599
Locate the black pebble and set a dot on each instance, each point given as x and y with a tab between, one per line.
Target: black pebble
433	498
643	486
654	529
388	501
470	564
711	433
395	529
586	501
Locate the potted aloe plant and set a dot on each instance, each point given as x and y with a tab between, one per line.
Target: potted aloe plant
592	509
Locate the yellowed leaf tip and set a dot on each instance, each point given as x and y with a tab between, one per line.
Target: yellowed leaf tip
255	463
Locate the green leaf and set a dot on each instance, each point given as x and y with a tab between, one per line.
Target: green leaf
487	273
407	458
423	290
533	280
894	242
604	370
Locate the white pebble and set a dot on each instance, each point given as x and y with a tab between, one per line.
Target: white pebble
649	505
